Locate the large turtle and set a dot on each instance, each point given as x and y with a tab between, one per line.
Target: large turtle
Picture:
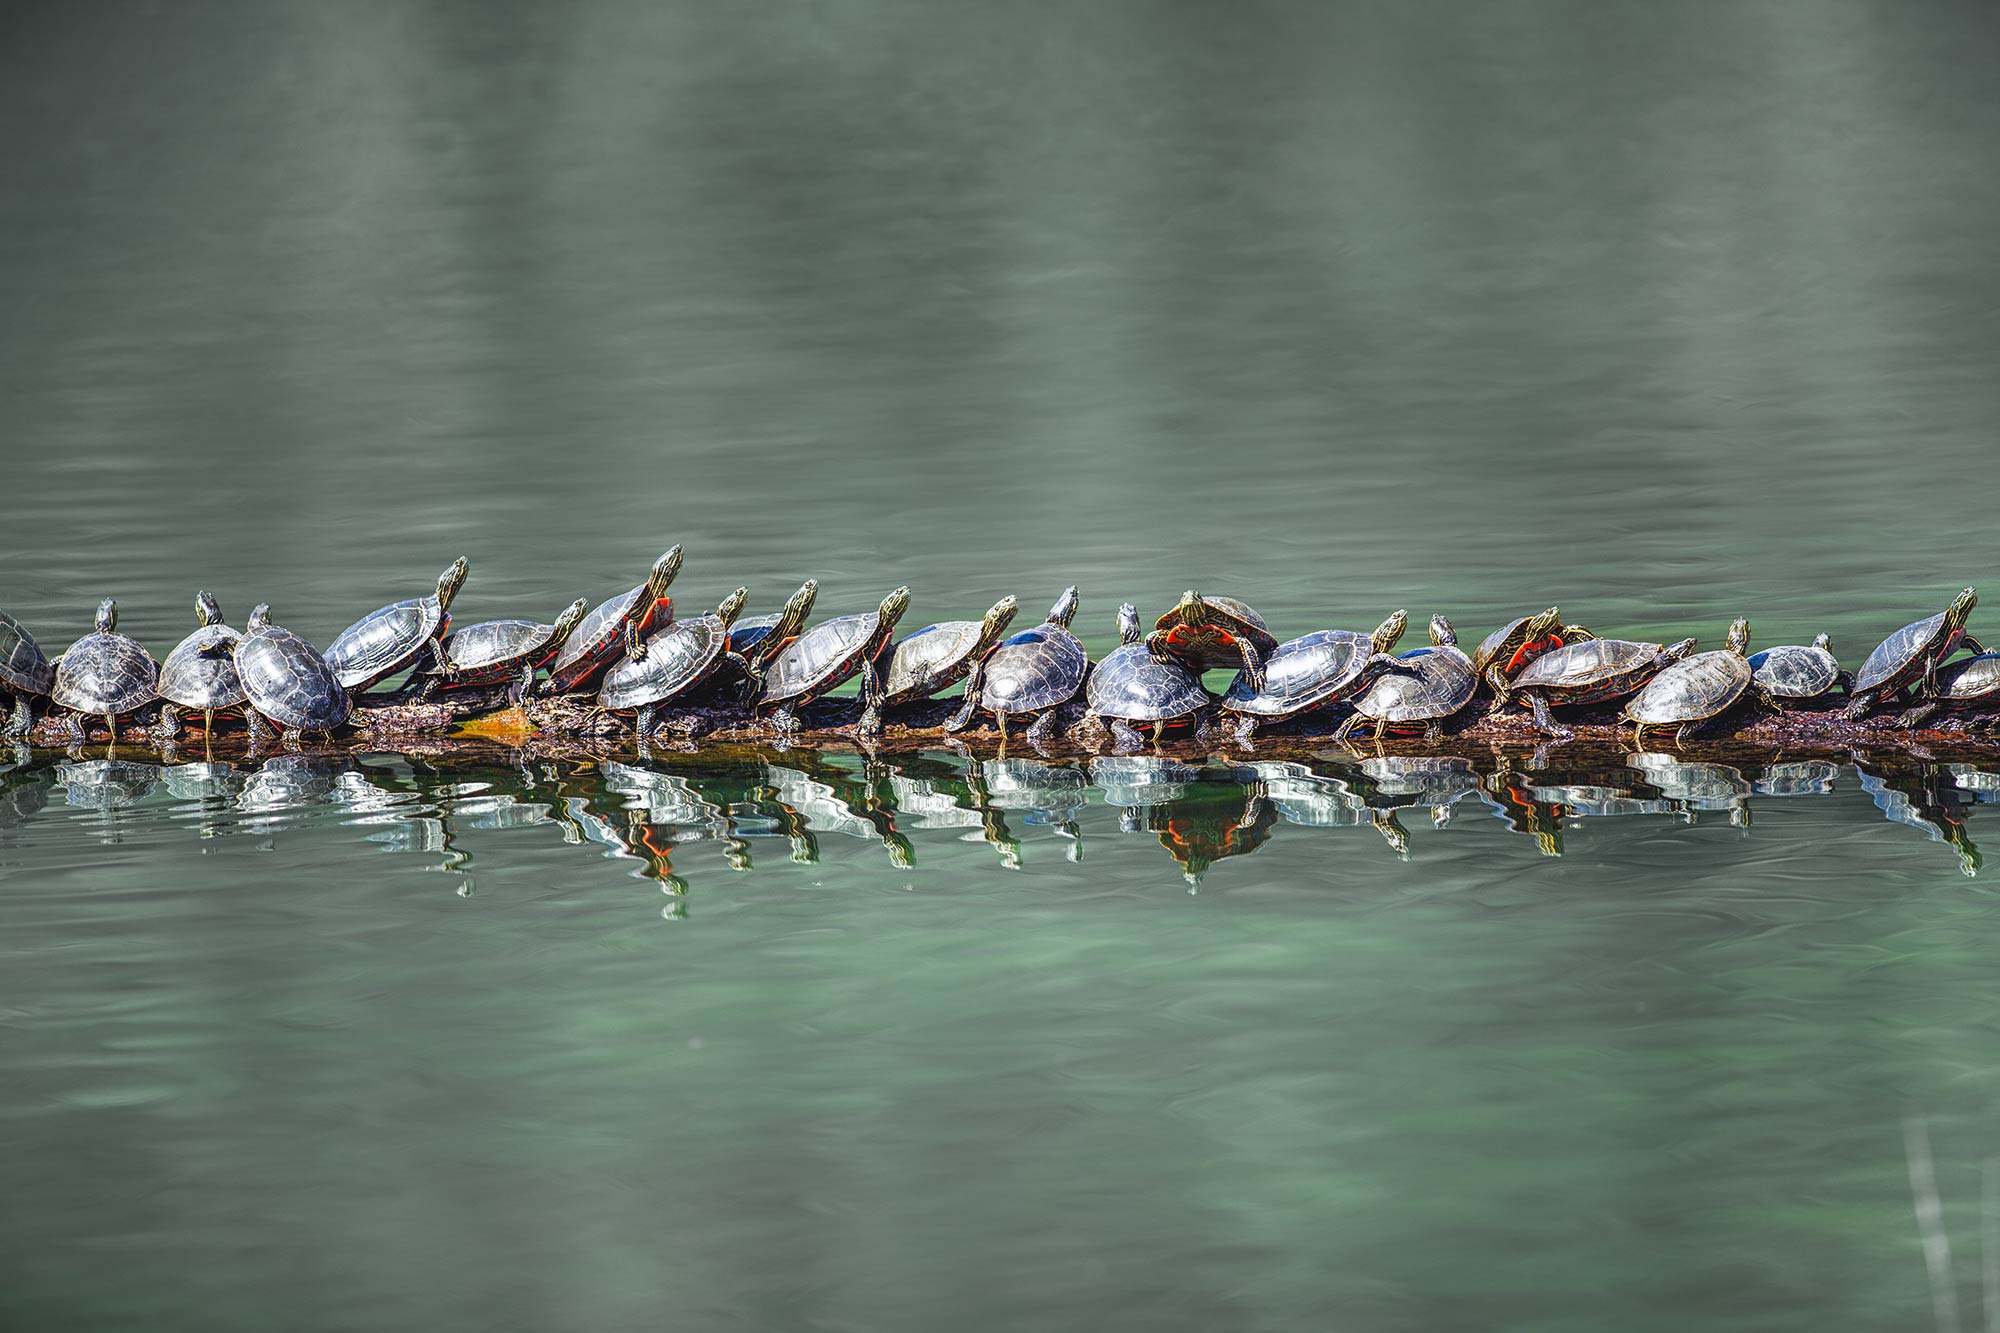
1912	654
1442	684
1793	673
1501	654
826	656
758	639
500	650
200	674
1213	632
937	657
287	680
1590	672
1968	686
1693	689
397	636
104	674
1133	685
671	662
1034	672
599	640
1312	671
25	674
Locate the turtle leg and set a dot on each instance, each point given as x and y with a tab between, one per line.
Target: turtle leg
1545	722
519	694
1434	732
1000	721
1253	664
1860	707
294	739
1381	725
111	725
1680	734
1093	727
442	664
1353	721
1044	729
254	724
1845	682
962	719
22	720
870	725
1913	719
1496	680
1125	738
168	728
642	723
784	721
1246	731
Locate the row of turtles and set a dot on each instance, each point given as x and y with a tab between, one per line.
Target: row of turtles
640	662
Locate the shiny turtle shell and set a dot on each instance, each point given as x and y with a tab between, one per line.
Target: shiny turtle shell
24	669
751	631
193	678
1794	670
1899	657
676	660
288	681
601	637
1591	670
1970	680
1442	683
1038	669
1308	672
1691	689
821	659
1132	685
930	661
1233	618
384	642
106	673
494	650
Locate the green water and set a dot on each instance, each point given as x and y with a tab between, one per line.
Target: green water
1667	313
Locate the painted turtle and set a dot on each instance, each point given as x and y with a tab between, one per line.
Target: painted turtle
1590	672
1313	671
1795	673
828	655
1442	684
1133	684
937	657
397	636
1913	654
1034	672
1693	689
1213	632
671	662
200	674
287	680
499	650
1971	685
1501	654
25	674
758	639
599	640
104	674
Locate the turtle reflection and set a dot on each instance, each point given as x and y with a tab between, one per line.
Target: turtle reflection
1923	794
1201	815
1696	787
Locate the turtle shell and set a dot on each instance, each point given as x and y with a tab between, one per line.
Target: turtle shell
1133	685
1306	672
929	660
1691	689
1794	671
749	631
106	672
494	648
384	642
287	680
1581	667
23	667
194	679
1037	669
1443	683
601	636
677	659
1970	679
1210	648
1490	646
821	659
1898	655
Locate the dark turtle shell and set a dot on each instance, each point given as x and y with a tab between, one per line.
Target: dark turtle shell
1691	689
1901	654
677	659
194	678
1794	670
821	659
751	631
1037	669
1442	683
23	667
287	680
600	639
106	672
1509	636
1134	686
1304	673
1972	679
1598	668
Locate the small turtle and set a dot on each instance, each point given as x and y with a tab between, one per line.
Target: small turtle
828	655
200	674
1133	685
937	657
1501	654
397	636
497	650
1912	654
1034	672
1443	683
103	674
1971	685
758	639
25	674
1213	632
1590	672
1693	689
1313	671
1794	673
598	641
287	680
673	661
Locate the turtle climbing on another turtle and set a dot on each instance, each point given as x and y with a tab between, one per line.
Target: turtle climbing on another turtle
200	675
671	662
398	636
1502	654
1034	672
1912	655
1694	689
104	674
25	675
827	656
1593	671
1969	689
501	650
596	643
937	657
1314	671
1796	673
288	681
1442	683
1209	633
759	639
1134	685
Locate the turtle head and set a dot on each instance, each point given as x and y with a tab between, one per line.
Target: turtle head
732	607
566	624
1064	610
1738	641
1823	642
1960	609
206	610
793	618
260	618
662	577
1191	610
1128	624
1674	652
893	606
1442	634
1390	632
998	618
451	581
1576	634
1543	623
107	616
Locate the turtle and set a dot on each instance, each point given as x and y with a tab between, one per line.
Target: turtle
937	657
1693	689
1133	684
397	636
1794	673
1313	671
287	681
1969	685
758	639
501	650
200	674
1912	654
598	641
1212	632
1443	683
1501	654
826	656
671	662
104	674
25	674
1590	672
1035	672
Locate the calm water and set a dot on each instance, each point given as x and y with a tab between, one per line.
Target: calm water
1669	313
